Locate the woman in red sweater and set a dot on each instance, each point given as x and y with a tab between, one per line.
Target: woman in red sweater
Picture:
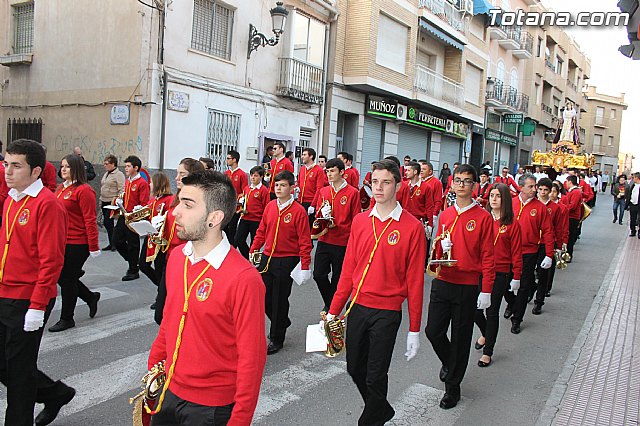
508	266
79	201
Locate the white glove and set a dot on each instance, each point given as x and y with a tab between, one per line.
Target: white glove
267	179
305	275
311	210
138	207
330	317
95	253
429	230
564	247
514	286
446	245
413	344
484	300
546	263
435	219
157	221
326	211
33	320
241	200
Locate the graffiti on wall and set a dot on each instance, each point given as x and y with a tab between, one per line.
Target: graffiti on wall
95	149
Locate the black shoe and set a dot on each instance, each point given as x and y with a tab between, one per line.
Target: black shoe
51	409
620	223
537	309
93	306
515	327
62	325
107	248
633	234
484	364
153	306
131	277
478	346
444	372
615	220
273	347
449	401
508	313
548	294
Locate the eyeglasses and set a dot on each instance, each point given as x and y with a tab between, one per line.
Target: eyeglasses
229	158
462	182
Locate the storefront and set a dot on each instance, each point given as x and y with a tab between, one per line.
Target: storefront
503	144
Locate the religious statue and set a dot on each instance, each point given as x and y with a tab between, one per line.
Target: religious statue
568	130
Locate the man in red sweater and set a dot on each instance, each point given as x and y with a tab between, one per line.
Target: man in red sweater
508	180
426	174
420	196
310	179
254	199
238	179
351	174
284	232
278	164
215	359
466	232
573	201
136	193
33	237
344	206
481	193
383	266
537	246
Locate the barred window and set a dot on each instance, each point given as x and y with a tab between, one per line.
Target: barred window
212	27
223	135
23	28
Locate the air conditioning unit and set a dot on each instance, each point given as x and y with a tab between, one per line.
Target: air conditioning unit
401	112
467	6
449	126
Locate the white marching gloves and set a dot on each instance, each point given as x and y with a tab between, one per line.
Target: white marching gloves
484	300
241	200
33	320
95	253
564	247
326	211
446	245
311	210
514	286
546	263
330	317
157	221
413	344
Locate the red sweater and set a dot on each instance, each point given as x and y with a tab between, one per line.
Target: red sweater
508	250
48	177
352	176
310	181
345	205
36	248
4	189
587	191
513	186
277	167
238	179
472	237
396	272
482	192
564	223
573	201
136	193
420	198
79	201
535	225
436	194
222	355
556	219
256	201
293	233
158	206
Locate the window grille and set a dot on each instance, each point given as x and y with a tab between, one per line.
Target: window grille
23	25
24	128
223	135
212	27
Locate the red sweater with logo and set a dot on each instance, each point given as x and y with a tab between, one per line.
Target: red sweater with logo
436	194
587	191
352	176
482	193
222	352
508	250
472	237
513	186
396	272
79	201
48	177
564	223
420	200
36	248
573	201
256	201
535	225
238	179
293	233
136	193
310	181
557	226
345	205
276	167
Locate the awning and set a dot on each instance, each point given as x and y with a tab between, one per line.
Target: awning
440	34
481	6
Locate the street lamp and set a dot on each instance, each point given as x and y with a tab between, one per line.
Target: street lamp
278	18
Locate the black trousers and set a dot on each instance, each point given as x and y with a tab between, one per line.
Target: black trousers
160	263
278	282
127	243
161	297
573	234
329	259
489	326
245	228
518	304
552	274
370	337
75	255
604	186
455	305
176	411
107	221
231	228
543	285
312	217
19	372
633	217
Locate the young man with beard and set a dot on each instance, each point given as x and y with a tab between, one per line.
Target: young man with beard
212	334
427	176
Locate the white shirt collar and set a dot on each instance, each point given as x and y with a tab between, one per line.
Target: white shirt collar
461	210
215	257
344	184
411	184
311	166
285	205
524	203
67	184
258	186
32	190
545	202
131	179
395	213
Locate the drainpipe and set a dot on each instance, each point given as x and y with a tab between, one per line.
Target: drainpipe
329	50
163	123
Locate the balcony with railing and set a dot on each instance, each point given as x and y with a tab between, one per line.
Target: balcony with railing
447	12
572	85
430	83
494	96
512	40
601	122
547	109
523	103
550	65
300	80
511	98
525	48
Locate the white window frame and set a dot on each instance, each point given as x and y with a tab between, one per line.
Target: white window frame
205	29
393	55
223	135
612	114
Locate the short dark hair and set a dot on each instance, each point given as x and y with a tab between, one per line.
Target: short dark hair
311	152
288	154
573	179
111	159
468	169
287	176
257	169
234	154
280	144
457	163
218	192
334	162
134	160
506	207
390	166
345	155
559	187
485	172
34	152
428	164
415	166
209	164
322	156
394	159
636	175
546	182
270	148
76	168
407	157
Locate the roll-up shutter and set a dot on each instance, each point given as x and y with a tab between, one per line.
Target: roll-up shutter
371	143
449	151
412	141
505	151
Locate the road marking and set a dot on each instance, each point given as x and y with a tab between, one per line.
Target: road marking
289	385
106	293
419	405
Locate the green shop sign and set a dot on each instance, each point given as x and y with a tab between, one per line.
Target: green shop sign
494	135
513	118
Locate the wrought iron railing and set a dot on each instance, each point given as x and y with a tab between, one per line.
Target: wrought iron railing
438	86
300	80
447	12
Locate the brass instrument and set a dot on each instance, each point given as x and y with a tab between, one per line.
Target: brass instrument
560	262
566	256
152	384
585	212
242	207
447	258
255	258
267	170
136	216
321	225
158	239
334	330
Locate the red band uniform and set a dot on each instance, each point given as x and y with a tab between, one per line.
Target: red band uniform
256	200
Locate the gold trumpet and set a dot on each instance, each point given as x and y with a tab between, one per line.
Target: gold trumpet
152	384
447	258
560	262
136	216
267	170
242	207
255	258
586	212
334	330
158	239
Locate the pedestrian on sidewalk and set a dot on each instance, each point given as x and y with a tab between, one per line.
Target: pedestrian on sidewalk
633	203
111	185
618	190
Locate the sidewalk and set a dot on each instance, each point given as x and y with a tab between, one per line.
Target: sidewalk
600	384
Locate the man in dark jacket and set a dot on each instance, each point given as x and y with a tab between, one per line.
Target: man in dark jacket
632	196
